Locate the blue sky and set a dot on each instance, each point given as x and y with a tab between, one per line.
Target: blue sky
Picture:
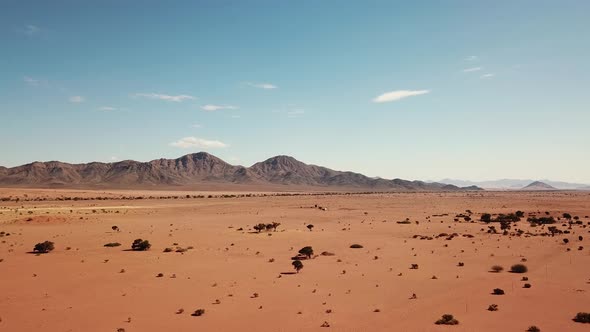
415	90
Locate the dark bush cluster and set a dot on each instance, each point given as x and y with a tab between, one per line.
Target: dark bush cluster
141	245
582	317
112	244
44	247
519	268
447	320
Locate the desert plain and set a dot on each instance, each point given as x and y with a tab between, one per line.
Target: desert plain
244	279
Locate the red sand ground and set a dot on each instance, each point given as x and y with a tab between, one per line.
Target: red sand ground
82	289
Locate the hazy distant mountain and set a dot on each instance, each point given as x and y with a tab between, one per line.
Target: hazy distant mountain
513	184
538	185
202	169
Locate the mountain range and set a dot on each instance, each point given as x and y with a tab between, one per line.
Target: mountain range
203	171
516	184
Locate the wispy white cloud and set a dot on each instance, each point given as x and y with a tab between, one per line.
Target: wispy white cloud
107	108
211	108
471	58
266	86
76	99
472	69
487	75
31	29
196	125
31	81
195	142
397	95
174	98
295	113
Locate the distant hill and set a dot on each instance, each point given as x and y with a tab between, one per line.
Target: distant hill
202	170
514	184
538	185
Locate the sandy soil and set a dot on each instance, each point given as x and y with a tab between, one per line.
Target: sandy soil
84	286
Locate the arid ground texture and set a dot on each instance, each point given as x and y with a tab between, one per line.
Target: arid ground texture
419	256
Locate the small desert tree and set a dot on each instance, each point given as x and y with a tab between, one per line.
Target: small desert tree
44	247
307	251
297	265
115	228
310	227
140	245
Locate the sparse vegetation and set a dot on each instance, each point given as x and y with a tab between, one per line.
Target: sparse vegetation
519	268
112	244
497	268
498	291
356	246
447	319
140	245
582	317
297	265
306	251
44	247
533	328
198	312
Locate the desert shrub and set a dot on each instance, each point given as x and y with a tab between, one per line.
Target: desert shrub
414	267
582	317
519	214
198	312
356	246
297	265
567	216
141	245
112	244
527	286
168	249
447	320
310	227
533	328
518	268
307	251
461	264
566	241
159	275
498	291
486	217
115	228
493	307
44	247
497	268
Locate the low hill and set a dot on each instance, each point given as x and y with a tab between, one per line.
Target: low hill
538	185
201	171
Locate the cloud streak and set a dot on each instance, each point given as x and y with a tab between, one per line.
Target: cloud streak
487	75
211	108
266	86
107	108
76	99
31	29
159	96
398	95
195	142
472	69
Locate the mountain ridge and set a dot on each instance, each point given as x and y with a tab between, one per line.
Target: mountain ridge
202	170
